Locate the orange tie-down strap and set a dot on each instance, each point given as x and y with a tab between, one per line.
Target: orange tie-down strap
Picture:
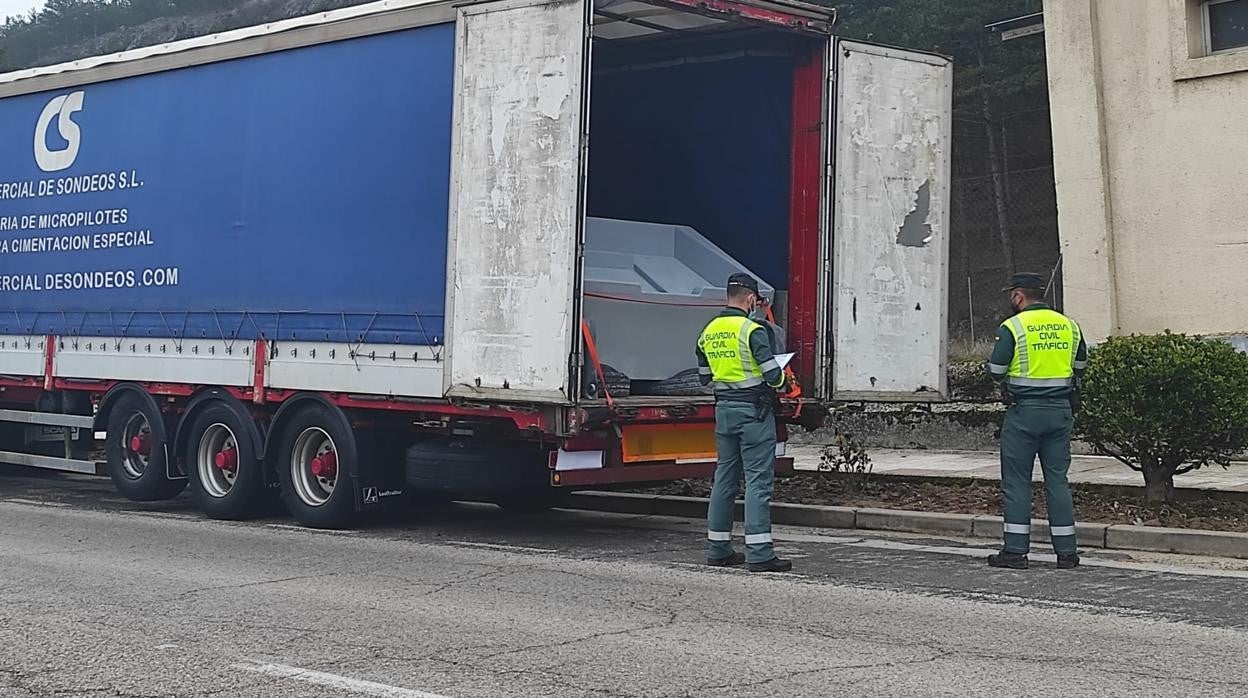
593	356
795	390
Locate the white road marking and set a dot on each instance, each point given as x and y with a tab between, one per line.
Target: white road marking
505	548
346	683
36	502
305	529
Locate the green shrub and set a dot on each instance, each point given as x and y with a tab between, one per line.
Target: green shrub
1165	405
847	456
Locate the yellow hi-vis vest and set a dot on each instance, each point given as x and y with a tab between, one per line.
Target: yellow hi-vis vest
726	344
1046	344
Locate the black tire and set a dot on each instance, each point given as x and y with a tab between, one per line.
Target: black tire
448	469
684	384
234	492
139	476
618	384
517	478
308	497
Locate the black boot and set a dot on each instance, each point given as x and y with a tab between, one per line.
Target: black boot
775	564
731	561
1067	562
1009	561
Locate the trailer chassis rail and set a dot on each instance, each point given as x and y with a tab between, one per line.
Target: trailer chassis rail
65	421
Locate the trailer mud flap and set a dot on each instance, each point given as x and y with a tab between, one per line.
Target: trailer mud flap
379	481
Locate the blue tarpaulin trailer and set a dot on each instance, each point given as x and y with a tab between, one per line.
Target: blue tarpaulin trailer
294	195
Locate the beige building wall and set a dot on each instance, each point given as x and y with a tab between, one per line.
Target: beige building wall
1151	160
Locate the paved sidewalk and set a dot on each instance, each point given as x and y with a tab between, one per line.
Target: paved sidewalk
968	464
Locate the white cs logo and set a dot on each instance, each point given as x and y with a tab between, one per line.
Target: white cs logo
56	160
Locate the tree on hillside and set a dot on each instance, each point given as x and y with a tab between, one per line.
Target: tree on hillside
70	29
991	79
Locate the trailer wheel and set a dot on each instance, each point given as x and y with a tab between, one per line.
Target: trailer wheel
136	452
227	481
316	460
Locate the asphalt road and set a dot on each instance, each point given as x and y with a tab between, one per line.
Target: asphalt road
102	597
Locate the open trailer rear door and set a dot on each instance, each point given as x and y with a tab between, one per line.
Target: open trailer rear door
516	222
890	223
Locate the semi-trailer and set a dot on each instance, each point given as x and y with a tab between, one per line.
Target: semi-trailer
396	249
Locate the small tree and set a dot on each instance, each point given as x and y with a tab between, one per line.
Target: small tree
1165	405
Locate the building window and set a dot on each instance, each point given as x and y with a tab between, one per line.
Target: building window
1226	25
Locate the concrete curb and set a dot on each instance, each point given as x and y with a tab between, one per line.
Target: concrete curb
1092	535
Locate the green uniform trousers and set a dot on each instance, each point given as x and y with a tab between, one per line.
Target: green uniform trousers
745	438
1037	427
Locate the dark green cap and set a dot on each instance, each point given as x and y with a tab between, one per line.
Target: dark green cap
1026	280
745	281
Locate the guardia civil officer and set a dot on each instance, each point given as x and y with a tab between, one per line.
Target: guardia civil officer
735	357
1039	359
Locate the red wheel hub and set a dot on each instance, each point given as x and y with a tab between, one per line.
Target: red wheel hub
141	444
325	465
227	459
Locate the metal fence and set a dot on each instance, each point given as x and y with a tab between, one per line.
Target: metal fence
982	231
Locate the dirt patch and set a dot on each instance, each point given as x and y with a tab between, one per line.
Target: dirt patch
938	426
1097	504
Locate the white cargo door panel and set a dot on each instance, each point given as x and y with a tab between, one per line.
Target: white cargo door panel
890	223
515	220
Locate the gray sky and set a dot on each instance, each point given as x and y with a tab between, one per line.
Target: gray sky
8	8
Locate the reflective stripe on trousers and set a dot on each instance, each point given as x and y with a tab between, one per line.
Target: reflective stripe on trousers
745	438
1037	429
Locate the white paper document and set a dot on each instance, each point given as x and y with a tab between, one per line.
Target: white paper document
784	359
